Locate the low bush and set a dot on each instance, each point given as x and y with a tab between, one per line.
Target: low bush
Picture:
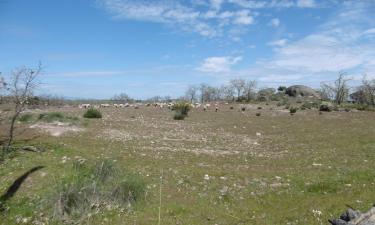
293	110
92	114
51	117
90	190
326	107
258	114
243	108
25	118
179	116
182	107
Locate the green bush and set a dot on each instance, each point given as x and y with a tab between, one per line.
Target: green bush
91	190
179	116
326	107
92	114
182	107
293	110
27	117
51	117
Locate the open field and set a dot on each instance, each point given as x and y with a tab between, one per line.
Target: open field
225	167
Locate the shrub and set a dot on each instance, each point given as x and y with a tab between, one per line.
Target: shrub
243	108
51	117
182	107
92	113
179	116
259	107
325	107
91	190
258	114
293	110
231	107
27	117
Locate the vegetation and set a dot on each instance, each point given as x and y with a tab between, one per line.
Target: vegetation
181	110
26	117
92	114
90	190
293	110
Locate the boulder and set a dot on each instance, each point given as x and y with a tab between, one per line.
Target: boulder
301	91
355	217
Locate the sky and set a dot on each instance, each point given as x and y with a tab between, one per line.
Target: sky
99	48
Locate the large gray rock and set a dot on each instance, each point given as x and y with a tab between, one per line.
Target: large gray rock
301	91
355	217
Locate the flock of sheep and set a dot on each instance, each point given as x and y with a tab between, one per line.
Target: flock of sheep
156	104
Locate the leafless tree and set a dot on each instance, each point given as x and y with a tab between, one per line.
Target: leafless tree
338	91
249	89
238	85
368	88
122	97
20	88
191	93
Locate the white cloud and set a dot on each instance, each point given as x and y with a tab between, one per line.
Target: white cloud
275	22
243	17
369	31
306	3
205	17
257	4
216	4
218	64
278	43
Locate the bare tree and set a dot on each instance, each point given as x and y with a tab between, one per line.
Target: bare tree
122	97
202	90
249	89
338	91
238	85
191	93
368	88
21	87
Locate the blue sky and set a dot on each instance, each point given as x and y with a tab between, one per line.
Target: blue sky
99	48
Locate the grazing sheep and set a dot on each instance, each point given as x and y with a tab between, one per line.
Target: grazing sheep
84	106
104	105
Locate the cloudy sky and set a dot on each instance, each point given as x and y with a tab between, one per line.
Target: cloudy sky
97	48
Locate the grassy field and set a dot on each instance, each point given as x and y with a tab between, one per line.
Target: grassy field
225	167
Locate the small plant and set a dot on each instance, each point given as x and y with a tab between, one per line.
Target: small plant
92	114
91	189
293	110
25	118
243	108
258	114
231	107
51	117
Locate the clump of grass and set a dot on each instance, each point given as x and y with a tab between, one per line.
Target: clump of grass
92	114
243	108
231	107
259	107
25	118
91	190
258	114
51	117
181	110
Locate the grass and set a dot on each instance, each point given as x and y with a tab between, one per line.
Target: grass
322	162
26	118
